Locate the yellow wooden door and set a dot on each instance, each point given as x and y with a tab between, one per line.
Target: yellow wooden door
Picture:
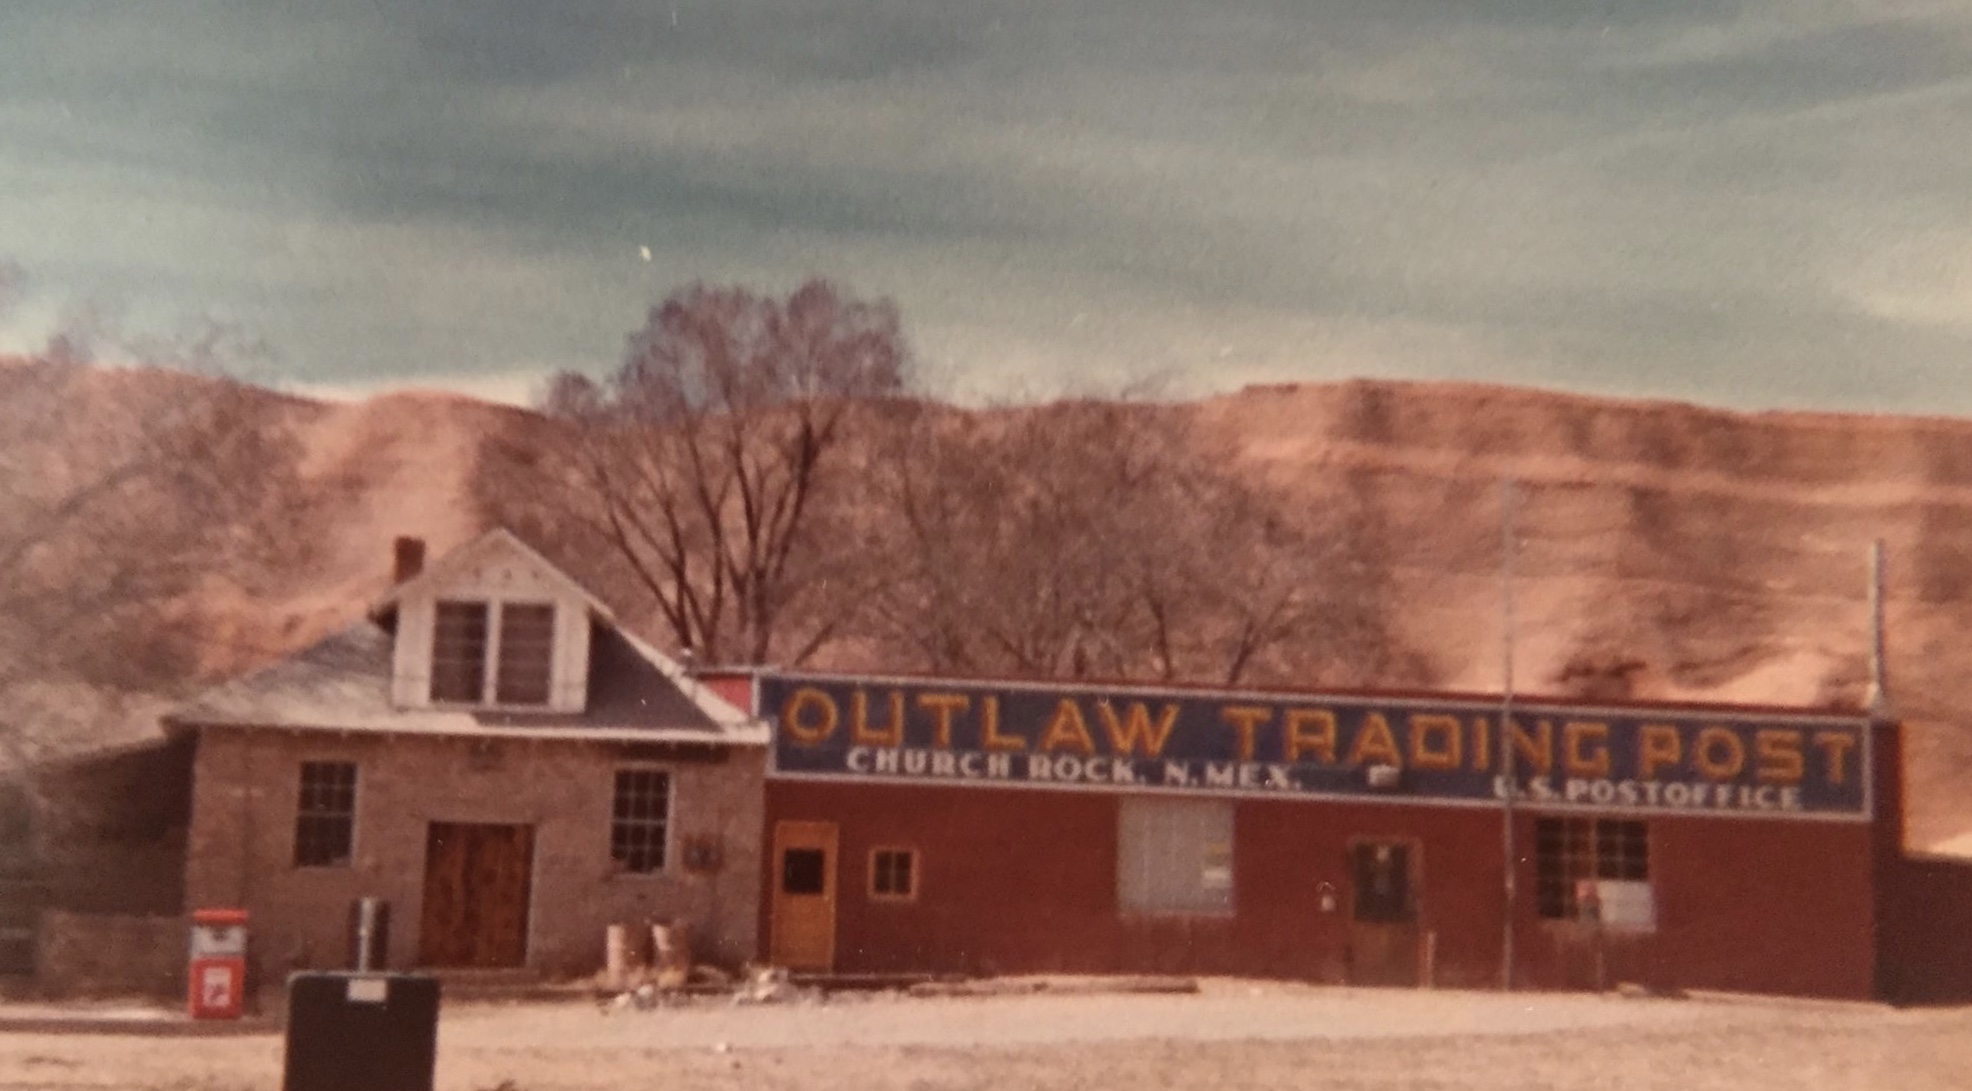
804	895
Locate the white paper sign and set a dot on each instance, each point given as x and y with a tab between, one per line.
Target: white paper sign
1627	905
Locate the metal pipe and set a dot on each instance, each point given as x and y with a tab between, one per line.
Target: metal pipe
1507	891
1879	686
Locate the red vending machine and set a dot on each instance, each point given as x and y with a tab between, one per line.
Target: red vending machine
217	976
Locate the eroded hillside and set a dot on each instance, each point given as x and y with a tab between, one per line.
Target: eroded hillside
1666	551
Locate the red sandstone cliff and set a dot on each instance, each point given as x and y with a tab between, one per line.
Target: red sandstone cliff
1667	551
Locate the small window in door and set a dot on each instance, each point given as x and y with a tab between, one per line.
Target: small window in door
804	871
1383	883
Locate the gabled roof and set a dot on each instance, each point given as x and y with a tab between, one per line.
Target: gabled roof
343	683
441	570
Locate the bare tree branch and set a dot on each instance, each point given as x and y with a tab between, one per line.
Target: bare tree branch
709	456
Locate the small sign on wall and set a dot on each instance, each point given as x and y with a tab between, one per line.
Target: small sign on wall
1216	873
1627	905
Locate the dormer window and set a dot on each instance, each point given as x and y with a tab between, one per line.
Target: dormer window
458	653
469	667
527	650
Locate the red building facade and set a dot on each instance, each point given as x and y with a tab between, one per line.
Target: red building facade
934	825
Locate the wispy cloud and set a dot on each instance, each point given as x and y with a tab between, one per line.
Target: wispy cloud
1754	203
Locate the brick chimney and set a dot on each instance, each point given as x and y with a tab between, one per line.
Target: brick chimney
409	554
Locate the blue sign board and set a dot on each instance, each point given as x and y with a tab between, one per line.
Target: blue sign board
1308	745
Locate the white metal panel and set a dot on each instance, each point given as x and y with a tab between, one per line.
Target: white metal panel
1175	856
1626	905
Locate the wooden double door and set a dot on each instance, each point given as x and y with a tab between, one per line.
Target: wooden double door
478	882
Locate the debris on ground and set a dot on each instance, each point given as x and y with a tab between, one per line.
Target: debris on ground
1023	986
703	974
772	985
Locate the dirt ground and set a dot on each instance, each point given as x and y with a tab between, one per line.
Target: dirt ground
1232	1034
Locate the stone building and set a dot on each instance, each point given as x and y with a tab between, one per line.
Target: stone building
492	754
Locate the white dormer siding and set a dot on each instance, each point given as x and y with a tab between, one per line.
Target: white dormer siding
498	575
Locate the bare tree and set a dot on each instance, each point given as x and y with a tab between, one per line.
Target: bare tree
708	460
1107	538
126	491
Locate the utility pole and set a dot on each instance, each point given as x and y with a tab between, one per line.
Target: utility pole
1879	684
1507	498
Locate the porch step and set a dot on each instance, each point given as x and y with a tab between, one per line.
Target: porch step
489	984
832	982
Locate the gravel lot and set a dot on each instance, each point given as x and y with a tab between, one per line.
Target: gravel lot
1232	1034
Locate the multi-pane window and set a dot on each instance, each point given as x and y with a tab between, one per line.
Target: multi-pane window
639	820
458	652
893	873
527	648
1570	850
1175	857
522	670
325	819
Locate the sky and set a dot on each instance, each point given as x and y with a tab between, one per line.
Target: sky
1758	204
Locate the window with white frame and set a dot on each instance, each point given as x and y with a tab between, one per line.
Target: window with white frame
458	652
469	666
640	820
527	650
1175	857
325	814
893	874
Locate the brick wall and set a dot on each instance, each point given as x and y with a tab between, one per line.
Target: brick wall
1026	882
99	954
242	842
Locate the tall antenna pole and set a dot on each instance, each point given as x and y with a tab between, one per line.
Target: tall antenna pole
1507	498
1879	685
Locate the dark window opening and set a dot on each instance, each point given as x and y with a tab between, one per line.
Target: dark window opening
1383	883
893	873
804	871
527	648
1568	851
640	819
458	652
325	817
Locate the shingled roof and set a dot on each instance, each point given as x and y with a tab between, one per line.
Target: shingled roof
343	683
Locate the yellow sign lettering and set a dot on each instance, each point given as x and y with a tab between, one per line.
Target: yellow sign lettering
860	730
1068	730
1133	731
1375	741
1311	731
1246	719
810	716
944	708
1585	748
1444	752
